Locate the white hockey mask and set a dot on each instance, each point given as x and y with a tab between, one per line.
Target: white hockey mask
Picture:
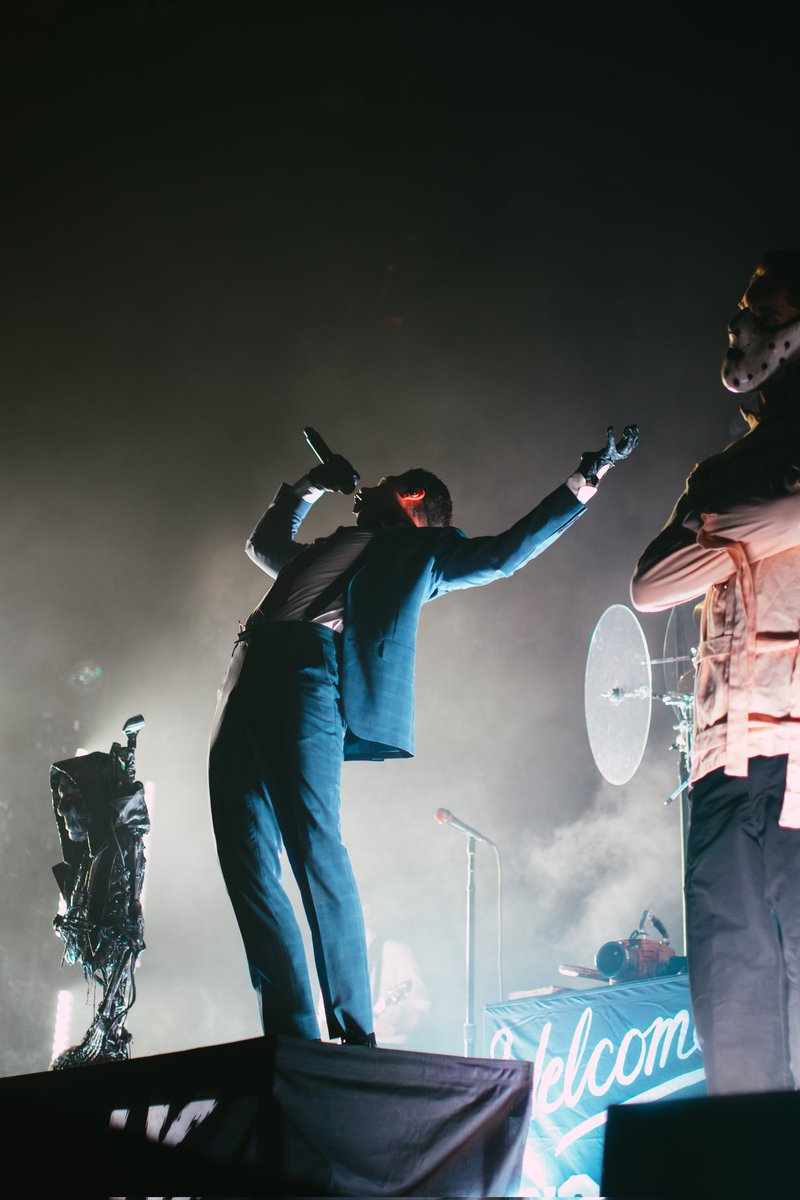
755	352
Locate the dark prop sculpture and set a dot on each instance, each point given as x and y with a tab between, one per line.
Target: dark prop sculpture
102	818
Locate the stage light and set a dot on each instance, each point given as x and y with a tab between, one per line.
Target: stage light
85	676
63	1026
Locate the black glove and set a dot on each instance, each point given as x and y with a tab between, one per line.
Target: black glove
592	461
335	475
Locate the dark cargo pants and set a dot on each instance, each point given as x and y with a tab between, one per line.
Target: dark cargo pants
743	926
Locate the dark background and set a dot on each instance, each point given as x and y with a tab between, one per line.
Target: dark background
457	238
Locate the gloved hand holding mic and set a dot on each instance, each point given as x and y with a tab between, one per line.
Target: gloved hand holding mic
334	473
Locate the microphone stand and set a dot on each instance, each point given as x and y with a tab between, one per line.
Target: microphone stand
469	1022
445	817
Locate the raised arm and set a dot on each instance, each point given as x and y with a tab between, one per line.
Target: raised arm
471	562
272	542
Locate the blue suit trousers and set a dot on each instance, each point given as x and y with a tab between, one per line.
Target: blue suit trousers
274	771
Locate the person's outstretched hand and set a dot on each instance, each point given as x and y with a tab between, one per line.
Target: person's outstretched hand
595	463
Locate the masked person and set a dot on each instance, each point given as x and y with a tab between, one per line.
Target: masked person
324	670
734	537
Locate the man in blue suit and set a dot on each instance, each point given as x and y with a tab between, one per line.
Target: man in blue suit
324	671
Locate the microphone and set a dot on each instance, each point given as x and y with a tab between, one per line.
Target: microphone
318	445
341	476
445	817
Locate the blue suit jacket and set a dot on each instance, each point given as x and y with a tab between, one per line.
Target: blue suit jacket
401	569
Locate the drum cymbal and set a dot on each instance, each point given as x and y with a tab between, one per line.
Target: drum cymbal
618	694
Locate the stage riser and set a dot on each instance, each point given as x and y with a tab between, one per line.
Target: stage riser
717	1148
278	1117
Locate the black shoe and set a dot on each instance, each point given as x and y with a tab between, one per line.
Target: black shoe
360	1039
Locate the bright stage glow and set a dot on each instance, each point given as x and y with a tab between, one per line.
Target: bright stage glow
63	1025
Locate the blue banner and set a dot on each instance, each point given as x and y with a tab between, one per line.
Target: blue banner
623	1044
